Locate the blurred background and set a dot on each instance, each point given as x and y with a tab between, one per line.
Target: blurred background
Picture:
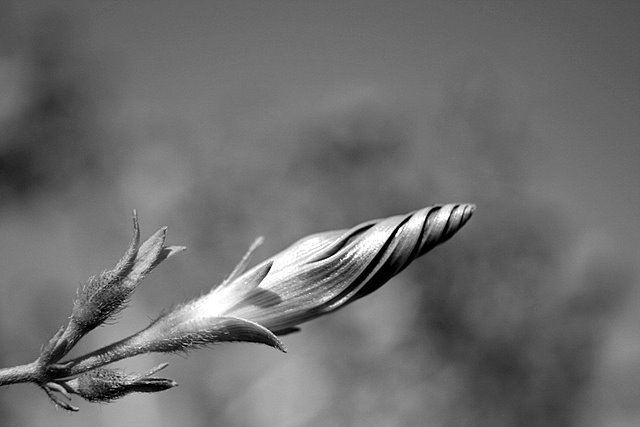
226	120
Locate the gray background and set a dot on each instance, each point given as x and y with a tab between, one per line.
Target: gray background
229	120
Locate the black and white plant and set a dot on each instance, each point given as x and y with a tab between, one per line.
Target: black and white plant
313	277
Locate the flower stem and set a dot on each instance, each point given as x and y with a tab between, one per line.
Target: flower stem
122	349
30	372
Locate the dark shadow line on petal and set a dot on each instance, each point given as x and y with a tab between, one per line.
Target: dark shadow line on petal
343	241
376	281
415	252
262	298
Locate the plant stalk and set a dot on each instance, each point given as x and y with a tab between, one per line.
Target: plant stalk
29	373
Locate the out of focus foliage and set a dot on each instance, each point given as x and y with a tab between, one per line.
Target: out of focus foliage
53	140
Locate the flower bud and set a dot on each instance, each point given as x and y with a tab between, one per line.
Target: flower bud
105	385
105	295
326	271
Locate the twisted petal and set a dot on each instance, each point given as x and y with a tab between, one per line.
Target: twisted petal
325	271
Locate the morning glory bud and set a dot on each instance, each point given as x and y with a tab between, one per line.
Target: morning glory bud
326	271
